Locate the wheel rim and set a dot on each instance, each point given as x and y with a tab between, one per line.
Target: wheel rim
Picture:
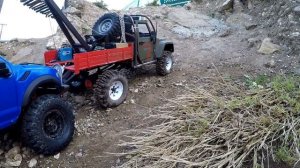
169	63
116	90
105	26
53	124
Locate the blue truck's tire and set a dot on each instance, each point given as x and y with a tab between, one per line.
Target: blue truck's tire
105	84
164	64
48	125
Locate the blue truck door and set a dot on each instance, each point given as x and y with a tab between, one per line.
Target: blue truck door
9	109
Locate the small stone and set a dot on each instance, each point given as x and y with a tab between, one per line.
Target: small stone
297	10
254	42
56	156
13	151
79	99
188	6
267	47
118	161
79	154
15	161
132	101
225	33
227	5
156	16
250	25
136	90
32	163
296	71
271	64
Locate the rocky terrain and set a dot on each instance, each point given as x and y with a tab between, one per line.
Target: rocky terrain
212	38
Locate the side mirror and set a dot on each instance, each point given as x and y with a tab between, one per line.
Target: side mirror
4	71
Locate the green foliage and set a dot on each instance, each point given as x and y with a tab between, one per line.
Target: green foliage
100	4
153	3
283	154
256	82
286	91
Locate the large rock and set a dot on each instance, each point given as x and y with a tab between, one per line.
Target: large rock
13	157
23	53
297	10
32	163
238	6
56	41
241	20
267	47
192	24
227	5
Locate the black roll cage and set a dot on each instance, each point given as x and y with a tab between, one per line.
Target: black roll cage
50	9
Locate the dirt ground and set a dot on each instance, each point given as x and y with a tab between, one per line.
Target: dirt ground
100	131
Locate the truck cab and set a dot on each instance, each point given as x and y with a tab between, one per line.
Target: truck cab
30	95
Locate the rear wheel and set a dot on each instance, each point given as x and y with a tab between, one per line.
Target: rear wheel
48	126
111	88
164	64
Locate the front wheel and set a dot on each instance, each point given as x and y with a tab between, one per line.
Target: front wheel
48	126
164	64
111	88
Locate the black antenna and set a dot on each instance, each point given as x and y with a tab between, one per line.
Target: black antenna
1	4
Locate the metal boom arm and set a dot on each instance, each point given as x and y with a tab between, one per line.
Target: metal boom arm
50	9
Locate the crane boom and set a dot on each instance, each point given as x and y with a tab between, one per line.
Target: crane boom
50	9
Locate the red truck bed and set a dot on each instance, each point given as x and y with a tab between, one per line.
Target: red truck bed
93	59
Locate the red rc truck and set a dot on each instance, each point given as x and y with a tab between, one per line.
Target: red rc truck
103	61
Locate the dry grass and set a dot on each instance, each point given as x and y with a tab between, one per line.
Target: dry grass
223	125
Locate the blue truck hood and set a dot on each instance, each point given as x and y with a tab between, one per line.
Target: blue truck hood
36	70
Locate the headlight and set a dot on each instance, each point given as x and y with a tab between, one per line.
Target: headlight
59	70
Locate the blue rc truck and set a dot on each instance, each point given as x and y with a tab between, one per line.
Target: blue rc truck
30	95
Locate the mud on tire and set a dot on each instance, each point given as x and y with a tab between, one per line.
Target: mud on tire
48	125
111	88
164	64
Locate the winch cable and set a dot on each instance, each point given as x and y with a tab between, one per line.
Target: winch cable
52	33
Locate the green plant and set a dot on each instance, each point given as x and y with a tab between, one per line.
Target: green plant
283	154
153	3
223	124
100	4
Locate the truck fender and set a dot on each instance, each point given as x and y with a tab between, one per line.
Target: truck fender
35	84
162	46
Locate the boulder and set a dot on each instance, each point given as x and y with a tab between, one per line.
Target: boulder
297	10
227	5
15	161
242	20
32	163
267	47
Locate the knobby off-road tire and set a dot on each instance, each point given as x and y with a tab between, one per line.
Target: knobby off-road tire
48	125
164	64
128	73
108	26
111	88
